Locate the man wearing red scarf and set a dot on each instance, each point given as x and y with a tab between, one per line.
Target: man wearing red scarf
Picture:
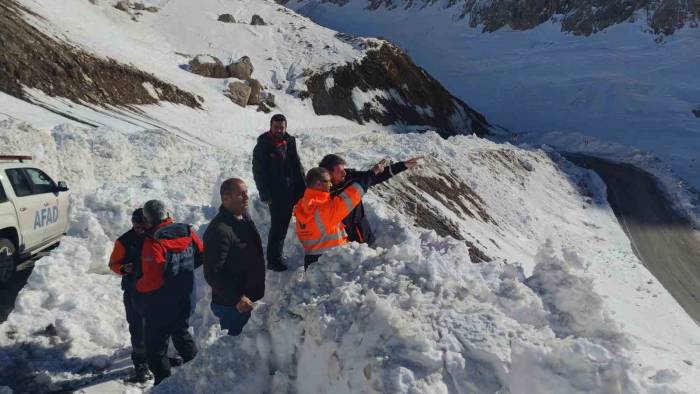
279	177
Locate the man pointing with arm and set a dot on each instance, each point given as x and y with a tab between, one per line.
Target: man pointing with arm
356	224
319	224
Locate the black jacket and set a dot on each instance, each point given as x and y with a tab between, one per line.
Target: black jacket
278	178
356	224
233	259
133	243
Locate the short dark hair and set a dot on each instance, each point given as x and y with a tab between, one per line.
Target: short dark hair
137	216
315	174
330	161
229	186
278	118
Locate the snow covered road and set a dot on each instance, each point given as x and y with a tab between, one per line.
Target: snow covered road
662	239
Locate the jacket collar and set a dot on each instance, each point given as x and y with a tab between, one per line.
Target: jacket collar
229	218
153	230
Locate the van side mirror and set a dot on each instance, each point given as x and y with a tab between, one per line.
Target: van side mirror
62	187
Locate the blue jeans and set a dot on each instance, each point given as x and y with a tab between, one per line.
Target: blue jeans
230	319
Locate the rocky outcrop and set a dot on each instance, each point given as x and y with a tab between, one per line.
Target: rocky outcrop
208	66
388	88
122	5
435	200
29	58
242	69
226	18
696	112
249	92
256	91
211	67
257	20
580	17
239	93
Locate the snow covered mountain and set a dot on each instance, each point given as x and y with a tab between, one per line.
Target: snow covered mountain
96	55
621	89
497	268
663	17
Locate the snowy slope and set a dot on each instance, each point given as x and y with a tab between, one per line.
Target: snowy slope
285	53
617	86
562	305
162	42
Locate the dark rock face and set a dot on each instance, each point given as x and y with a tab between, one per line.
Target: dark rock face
29	58
450	197
226	18
388	88
696	112
257	20
122	5
580	17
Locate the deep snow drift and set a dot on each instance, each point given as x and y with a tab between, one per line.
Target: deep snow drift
564	306
561	303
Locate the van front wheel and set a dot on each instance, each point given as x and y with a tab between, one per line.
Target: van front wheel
7	260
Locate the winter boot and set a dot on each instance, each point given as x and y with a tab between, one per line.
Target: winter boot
141	374
277	265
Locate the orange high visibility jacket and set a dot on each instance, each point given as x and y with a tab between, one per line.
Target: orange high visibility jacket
319	224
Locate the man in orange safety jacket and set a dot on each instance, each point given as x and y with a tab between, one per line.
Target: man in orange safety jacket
319	217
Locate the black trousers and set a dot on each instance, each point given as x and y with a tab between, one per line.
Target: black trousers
135	321
280	215
167	317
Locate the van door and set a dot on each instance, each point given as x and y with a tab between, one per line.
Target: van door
8	213
51	216
26	205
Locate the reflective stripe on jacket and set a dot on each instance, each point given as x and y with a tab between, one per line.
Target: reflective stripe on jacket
319	218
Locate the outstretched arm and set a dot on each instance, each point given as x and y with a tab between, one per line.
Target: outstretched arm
396	168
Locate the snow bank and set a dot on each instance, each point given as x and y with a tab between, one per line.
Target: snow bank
557	309
70	317
419	317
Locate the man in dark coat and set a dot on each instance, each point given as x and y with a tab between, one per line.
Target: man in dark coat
126	255
279	177
356	224
234	265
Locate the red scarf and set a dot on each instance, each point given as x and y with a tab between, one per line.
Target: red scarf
277	141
